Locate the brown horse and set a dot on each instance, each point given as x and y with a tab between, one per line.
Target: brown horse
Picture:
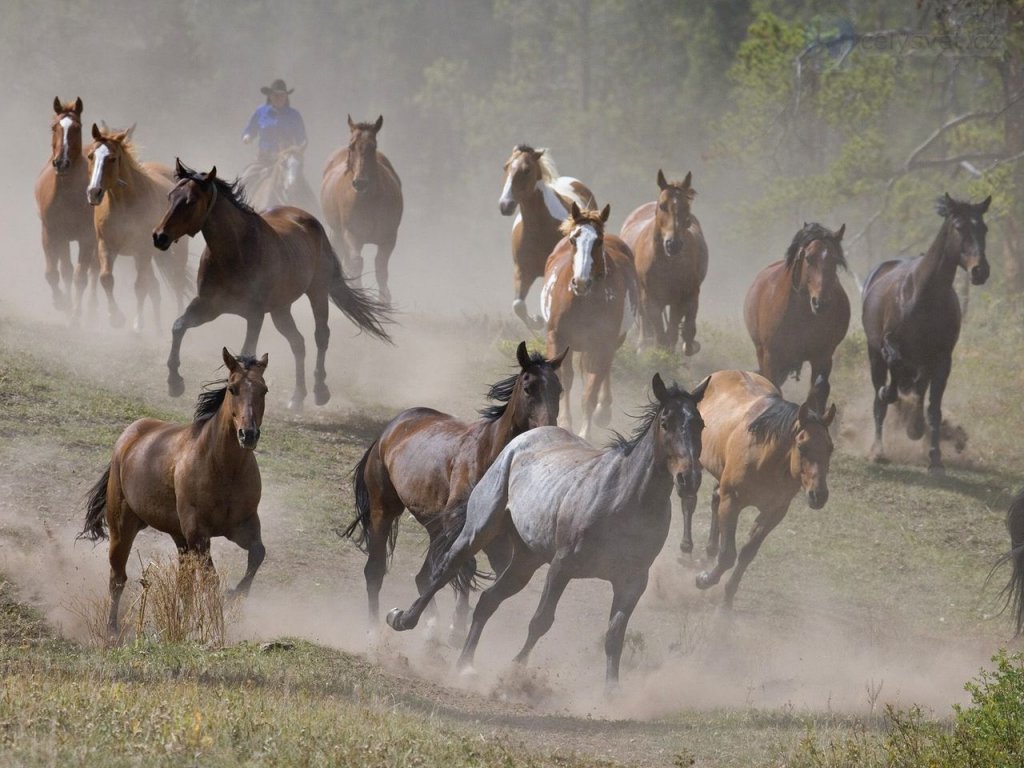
361	197
127	196
589	302
762	450
257	263
191	482
911	317
428	462
671	259
532	185
65	215
796	310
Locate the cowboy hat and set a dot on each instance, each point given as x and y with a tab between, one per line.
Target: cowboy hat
277	86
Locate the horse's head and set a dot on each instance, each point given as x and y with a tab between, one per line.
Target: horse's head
524	169
362	152
812	452
191	201
679	427
246	396
672	216
107	156
66	138
969	230
585	230
813	260
537	389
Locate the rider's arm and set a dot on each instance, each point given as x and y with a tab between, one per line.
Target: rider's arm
253	128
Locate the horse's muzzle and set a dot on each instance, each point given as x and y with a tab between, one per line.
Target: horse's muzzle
94	195
161	240
673	246
979	273
817	305
688	483
247	438
580	287
507	207
816	499
61	165
360	184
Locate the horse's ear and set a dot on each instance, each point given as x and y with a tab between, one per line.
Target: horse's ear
78	105
351	125
606	212
57	106
377	125
229	360
804	414
841	231
179	169
523	356
984	204
688	180
556	362
540	152
96	132
212	175
130	132
830	414
658	388
262	362
698	393
574	211
661	180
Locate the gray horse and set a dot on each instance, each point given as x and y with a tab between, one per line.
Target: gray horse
590	513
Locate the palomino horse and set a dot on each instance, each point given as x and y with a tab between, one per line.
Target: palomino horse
127	196
361	197
590	513
64	212
671	263
797	311
255	263
191	481
1014	589
532	185
911	317
589	301
281	183
428	462
762	450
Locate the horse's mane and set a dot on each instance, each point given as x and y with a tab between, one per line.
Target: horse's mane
776	422
808	235
646	417
592	217
952	207
231	190
548	171
131	156
501	391
213	394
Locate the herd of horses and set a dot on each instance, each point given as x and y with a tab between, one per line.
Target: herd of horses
517	483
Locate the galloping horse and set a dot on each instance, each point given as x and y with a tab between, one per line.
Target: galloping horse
283	183
64	212
192	482
911	317
796	310
590	513
255	263
671	260
589	301
127	196
428	462
532	185
762	450
361	196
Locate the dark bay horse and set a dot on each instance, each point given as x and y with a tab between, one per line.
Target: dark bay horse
796	310
542	198
911	317
259	263
361	197
762	450
192	482
590	513
589	301
65	215
282	183
671	260
428	462
128	196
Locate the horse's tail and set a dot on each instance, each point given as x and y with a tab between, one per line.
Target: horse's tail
467	578
1013	592
360	527
96	510
359	307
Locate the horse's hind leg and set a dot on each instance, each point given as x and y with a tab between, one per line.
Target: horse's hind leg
625	595
249	538
124	525
879	375
686	544
557	580
381	267
940	375
322	337
765	524
285	323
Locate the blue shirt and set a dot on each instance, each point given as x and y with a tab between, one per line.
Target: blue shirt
276	129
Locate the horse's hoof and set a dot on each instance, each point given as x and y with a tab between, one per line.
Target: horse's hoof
612	689
691	348
295	404
937	470
467	671
394	619
704	580
686	547
175	386
321	394
537	323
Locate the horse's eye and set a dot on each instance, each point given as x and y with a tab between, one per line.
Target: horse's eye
90	156
804	448
663	206
233	389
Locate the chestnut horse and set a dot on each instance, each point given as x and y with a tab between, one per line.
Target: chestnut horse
796	311
532	185
671	260
590	513
361	197
762	450
64	212
589	302
127	197
192	482
428	462
255	263
283	183
911	317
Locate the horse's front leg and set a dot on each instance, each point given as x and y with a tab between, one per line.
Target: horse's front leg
940	375
351	258
689	325
285	323
249	538
198	312
689	505
253	327
625	595
86	263
728	516
765	524
879	376
819	390
380	265
521	282
56	251
322	337
107	256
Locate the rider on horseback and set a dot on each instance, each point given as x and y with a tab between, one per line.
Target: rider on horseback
277	125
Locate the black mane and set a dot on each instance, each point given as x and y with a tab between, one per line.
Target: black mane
213	394
645	418
231	190
502	391
808	235
776	422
